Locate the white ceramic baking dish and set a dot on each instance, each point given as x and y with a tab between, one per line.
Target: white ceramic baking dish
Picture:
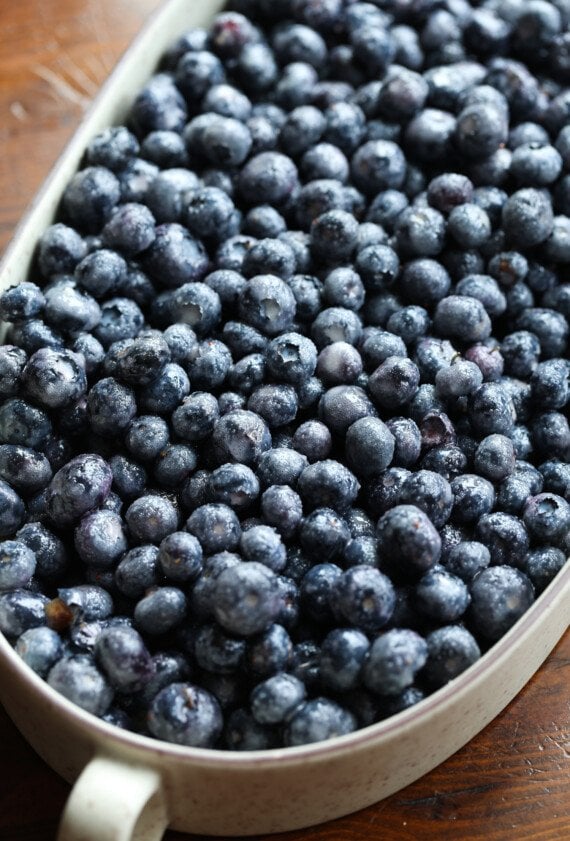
129	787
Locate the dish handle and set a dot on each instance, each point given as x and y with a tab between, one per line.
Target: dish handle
113	800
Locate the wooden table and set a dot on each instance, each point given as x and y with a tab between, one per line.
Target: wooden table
513	780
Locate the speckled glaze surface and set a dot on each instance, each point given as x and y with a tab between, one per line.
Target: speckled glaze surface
131	786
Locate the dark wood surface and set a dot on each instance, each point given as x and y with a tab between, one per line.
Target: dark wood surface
513	780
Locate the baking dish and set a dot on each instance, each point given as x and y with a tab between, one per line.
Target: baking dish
132	787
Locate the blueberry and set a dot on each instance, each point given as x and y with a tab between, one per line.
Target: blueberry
462	317
505	536
146	436
12	362
328	483
130	228
21	302
216	526
420	232
211	364
556	477
240	436
313	440
430	492
364	597
549	326
336	324
310	393
491	410
269	177
164	148
458	379
121	318
295	42
110	407
151	518
201	598
60	250
378	165
49	551
210	213
484	289
230	33
70	309
316	720
256	68
235	485
160	610
393	660
343	652
18	564
547	517
473	497
26	470
550	383
135	180
333	235
425	281
441	596
275	699
466	559
100	539
450	651
377	345
429	134
521	352
282	508
323	535
499	596
324	161
90	197
302	128
175	257
280	467
469	225
243	733
78	487
407	536
34	334
80	681
536	164
276	404
264	221
481	129
242	339
186	715
227	101
40	648
267	304
542	565
527	218
291	358
449	190
369	446
495	457
246	598
394	382
180	557
99	273
216	652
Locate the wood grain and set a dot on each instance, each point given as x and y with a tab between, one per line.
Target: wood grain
513	780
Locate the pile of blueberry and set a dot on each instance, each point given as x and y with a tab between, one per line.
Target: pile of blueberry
284	443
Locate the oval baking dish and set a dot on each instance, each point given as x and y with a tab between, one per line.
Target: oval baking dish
132	787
